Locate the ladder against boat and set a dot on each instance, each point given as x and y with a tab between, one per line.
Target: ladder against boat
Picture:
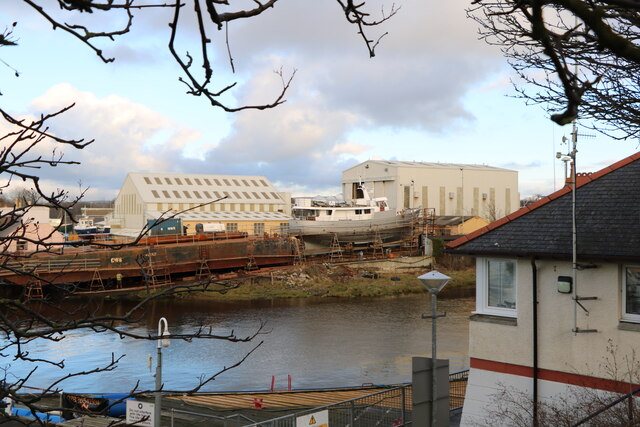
298	251
377	249
251	259
335	249
156	270
204	272
34	287
96	282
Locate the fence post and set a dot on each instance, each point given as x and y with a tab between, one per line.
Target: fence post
402	413
351	419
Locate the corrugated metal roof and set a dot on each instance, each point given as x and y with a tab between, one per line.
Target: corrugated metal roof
436	165
433	165
226	216
192	188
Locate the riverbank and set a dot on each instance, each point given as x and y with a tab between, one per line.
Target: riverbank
335	280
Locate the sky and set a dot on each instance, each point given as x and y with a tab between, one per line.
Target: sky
434	92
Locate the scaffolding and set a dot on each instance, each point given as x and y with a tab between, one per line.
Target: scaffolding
155	270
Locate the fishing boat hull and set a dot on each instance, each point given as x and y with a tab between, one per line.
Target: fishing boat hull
387	227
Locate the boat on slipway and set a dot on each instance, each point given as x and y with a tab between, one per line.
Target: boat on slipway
367	220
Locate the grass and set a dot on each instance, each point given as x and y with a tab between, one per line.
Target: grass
344	282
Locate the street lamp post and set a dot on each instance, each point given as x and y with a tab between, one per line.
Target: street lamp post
164	342
434	282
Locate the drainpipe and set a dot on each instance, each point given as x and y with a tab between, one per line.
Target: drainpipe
534	280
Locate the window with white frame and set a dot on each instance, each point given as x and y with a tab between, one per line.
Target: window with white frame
496	286
631	293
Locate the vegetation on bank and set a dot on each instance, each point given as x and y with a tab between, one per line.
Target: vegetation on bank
324	280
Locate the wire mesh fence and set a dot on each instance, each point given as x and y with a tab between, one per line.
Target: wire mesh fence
385	408
457	389
390	407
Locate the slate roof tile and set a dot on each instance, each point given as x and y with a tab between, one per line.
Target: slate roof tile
608	220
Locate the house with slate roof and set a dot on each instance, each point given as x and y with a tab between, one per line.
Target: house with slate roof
541	329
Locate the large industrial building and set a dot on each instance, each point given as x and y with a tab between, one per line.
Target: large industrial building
240	203
452	189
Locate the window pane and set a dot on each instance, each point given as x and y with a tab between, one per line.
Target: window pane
501	289
633	290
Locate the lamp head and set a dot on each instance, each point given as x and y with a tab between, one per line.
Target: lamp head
163	332
434	281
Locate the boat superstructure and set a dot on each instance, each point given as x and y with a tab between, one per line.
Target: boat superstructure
319	223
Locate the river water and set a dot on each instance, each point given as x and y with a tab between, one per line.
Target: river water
318	342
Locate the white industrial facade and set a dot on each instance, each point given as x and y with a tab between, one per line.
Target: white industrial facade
452	189
213	198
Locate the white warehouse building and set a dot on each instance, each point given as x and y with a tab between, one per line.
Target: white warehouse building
452	189
249	203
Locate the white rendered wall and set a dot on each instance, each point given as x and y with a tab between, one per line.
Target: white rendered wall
559	348
488	193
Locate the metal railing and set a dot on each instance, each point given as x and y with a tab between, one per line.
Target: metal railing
390	407
51	265
235	419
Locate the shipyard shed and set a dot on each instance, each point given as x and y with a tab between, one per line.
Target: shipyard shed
256	223
252	203
450	188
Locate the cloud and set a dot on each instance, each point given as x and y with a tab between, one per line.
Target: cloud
121	129
425	65
349	148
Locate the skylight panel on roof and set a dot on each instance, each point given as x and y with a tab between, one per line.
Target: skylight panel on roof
168	181
275	196
155	194
166	194
226	182
178	181
175	193
186	194
217	194
158	181
264	183
197	194
253	181
235	182
216	181
188	181
236	195
266	196
147	180
246	184
226	194
197	181
206	180
246	195
256	195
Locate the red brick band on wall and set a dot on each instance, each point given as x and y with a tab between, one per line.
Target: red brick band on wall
554	376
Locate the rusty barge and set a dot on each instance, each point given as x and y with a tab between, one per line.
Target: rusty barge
156	261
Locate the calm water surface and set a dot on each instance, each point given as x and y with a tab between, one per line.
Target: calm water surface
319	342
